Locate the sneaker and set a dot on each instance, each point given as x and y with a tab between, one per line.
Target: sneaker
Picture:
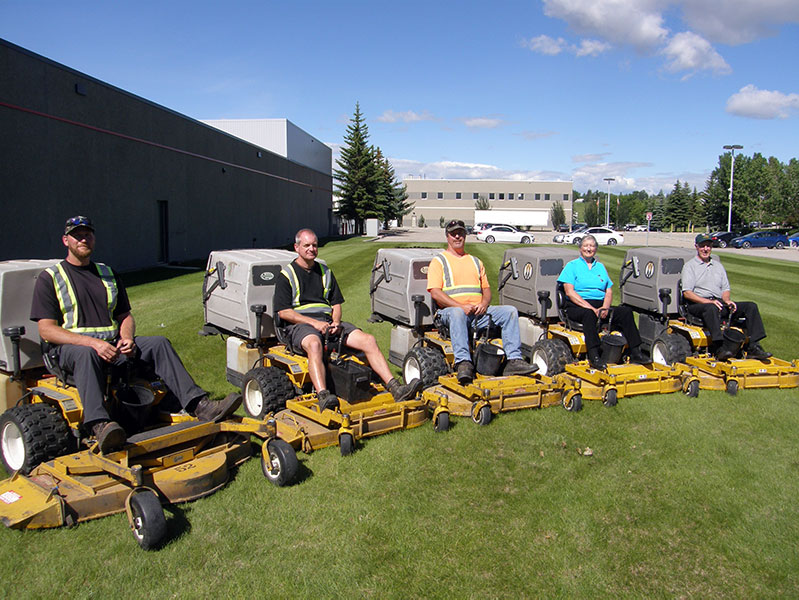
110	436
518	366
402	393
209	410
465	372
755	350
327	399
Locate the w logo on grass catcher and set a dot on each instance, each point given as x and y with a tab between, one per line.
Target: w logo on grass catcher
649	270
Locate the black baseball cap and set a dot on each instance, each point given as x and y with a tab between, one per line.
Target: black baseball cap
455	225
75	222
702	238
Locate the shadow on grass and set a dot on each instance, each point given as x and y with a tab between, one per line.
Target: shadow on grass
177	525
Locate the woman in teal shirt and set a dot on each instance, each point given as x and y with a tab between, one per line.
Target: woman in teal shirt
589	293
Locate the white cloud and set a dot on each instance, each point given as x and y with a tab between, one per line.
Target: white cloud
537	135
738	22
543	44
687	51
589	157
407	116
482	122
754	103
591	48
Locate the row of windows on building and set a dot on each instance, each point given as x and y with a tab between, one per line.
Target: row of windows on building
498	196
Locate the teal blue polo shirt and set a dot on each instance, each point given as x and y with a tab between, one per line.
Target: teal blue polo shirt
589	281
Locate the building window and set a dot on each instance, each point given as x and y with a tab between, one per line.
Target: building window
457	195
501	196
440	195
546	197
510	196
476	196
491	195
565	197
538	196
424	195
521	196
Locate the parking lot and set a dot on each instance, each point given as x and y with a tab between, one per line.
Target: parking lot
631	238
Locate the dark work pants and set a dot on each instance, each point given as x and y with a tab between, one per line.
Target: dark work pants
89	372
621	318
711	316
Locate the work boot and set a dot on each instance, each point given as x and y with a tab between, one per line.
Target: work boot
216	411
110	436
327	399
724	354
637	357
402	393
465	372
517	366
755	350
595	360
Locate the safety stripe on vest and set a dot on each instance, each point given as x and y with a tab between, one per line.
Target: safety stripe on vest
456	291
68	301
327	280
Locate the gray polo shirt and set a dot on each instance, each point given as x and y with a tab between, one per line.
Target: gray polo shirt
705	279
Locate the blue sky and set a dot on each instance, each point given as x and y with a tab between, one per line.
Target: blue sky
646	91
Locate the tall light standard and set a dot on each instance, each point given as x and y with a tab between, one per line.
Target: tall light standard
607	204
732	148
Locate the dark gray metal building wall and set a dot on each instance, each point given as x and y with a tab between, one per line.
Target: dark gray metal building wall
71	144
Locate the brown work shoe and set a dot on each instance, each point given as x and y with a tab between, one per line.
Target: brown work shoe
110	436
465	372
327	399
402	393
518	366
213	411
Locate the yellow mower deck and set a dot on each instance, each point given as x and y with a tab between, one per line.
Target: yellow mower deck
303	425
487	396
178	462
623	380
745	373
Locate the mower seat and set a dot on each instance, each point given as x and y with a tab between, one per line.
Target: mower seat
561	300
49	356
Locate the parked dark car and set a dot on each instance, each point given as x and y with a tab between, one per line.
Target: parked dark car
563	227
722	239
760	239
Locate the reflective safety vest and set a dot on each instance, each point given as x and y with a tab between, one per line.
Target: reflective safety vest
459	292
68	301
313	307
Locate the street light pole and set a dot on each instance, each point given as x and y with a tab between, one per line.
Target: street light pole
732	148
607	204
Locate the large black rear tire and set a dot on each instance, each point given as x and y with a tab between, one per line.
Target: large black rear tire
670	348
265	390
551	356
31	434
424	363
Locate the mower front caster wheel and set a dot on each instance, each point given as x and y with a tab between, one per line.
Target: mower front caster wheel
573	404
611	398
441	422
732	387
346	444
482	416
692	391
279	464
148	522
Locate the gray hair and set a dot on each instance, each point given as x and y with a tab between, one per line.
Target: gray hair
587	238
298	236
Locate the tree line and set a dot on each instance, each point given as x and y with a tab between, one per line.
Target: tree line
764	191
366	184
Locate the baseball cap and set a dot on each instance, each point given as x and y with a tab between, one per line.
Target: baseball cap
455	225
702	238
75	222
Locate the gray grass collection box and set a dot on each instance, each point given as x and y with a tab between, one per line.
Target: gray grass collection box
526	271
657	267
17	279
399	274
234	281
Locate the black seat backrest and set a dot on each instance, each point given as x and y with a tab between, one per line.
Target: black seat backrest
561	301
50	358
682	309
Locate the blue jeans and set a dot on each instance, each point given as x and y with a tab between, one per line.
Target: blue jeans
506	317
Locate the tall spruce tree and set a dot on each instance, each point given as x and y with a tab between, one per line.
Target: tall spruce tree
358	176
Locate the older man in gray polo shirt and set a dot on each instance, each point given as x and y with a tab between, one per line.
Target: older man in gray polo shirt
707	290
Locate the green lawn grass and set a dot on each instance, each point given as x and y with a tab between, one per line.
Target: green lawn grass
681	498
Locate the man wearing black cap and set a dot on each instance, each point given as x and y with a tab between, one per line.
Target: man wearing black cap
458	284
85	323
707	289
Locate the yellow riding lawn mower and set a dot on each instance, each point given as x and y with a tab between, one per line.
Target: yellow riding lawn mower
529	281
421	347
652	287
274	377
59	476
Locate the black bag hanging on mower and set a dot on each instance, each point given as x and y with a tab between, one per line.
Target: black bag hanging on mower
347	378
488	358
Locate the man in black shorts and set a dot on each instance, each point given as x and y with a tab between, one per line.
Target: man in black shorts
307	297
85	323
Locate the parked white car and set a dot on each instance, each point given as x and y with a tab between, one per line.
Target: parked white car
603	236
505	233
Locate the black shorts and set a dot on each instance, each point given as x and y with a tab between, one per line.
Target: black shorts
299	331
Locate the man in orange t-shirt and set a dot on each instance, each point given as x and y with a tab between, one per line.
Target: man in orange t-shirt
457	283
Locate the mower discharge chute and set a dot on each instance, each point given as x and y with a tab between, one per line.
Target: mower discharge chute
529	281
399	295
651	286
274	378
59	477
